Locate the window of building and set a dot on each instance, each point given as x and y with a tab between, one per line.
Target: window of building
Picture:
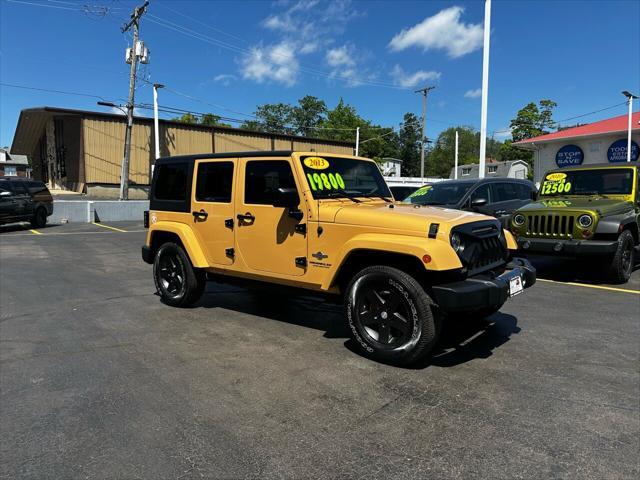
263	178
466	170
171	182
492	169
10	170
215	182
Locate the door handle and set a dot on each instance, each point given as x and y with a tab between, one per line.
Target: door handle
200	215
247	217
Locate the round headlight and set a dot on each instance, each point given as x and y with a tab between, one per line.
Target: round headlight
519	220
456	243
585	221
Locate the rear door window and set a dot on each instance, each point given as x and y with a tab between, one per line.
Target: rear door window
215	182
171	182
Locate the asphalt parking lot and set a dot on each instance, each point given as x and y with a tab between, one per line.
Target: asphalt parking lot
100	380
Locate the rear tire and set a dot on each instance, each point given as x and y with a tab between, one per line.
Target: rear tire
39	219
390	316
177	281
622	262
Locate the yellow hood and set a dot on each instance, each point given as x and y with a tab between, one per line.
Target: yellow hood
396	216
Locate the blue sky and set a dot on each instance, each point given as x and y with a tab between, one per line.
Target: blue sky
238	54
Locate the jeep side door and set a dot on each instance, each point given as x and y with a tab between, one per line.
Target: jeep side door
212	208
266	236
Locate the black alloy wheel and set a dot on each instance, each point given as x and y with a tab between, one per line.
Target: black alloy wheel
177	281
172	276
390	316
384	315
622	263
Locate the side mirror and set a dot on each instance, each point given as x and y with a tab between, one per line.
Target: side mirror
286	197
478	202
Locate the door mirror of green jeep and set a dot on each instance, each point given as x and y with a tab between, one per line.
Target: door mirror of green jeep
286	197
478	202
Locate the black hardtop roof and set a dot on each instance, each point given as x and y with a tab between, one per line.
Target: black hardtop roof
201	156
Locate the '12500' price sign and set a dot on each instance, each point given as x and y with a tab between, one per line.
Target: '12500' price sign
555	183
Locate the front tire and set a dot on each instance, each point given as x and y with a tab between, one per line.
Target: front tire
622	263
39	219
391	318
177	281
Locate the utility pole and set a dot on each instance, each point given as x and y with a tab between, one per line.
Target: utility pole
134	54
425	91
357	141
485	87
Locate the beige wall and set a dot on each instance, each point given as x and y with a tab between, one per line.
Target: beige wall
103	151
240	142
103	143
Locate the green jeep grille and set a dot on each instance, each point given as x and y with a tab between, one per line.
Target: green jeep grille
550	225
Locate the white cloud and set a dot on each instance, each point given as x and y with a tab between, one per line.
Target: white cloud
407	80
473	93
225	79
275	63
121	111
340	57
443	31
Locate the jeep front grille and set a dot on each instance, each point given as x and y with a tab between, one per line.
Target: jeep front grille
484	246
550	225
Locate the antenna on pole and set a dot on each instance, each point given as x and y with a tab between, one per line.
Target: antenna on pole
425	91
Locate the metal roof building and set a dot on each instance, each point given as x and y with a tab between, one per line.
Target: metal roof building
509	169
82	150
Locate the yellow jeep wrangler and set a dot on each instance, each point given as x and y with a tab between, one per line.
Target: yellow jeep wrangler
327	223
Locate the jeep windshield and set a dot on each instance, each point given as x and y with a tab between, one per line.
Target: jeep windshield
609	181
331	177
442	193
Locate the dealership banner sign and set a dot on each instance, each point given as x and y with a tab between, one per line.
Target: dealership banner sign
617	152
569	155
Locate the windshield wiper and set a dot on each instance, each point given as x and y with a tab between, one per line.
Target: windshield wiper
371	195
339	193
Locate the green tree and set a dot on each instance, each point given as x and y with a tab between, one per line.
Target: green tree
441	156
211	120
274	118
532	121
309	113
186	118
408	148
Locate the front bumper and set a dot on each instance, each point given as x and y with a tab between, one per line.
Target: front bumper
483	291
567	247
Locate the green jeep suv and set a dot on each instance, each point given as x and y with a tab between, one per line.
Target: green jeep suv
585	211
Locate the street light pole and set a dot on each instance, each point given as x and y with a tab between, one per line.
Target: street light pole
156	121
455	171
485	87
630	97
357	141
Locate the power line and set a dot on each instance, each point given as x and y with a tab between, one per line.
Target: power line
50	90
